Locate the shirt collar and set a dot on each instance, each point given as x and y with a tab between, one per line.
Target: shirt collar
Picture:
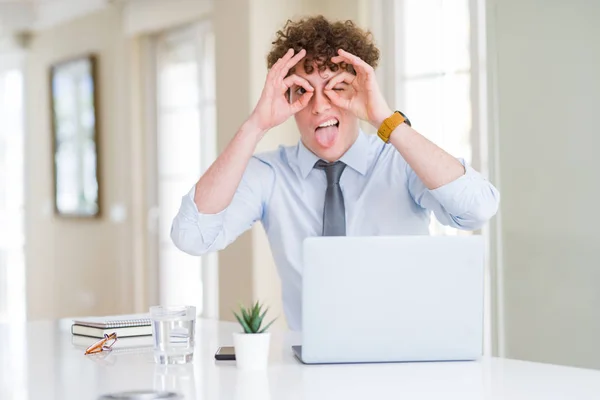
356	157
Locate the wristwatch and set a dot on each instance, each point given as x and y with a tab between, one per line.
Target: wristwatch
391	123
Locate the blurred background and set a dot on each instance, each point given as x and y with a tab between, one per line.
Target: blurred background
111	109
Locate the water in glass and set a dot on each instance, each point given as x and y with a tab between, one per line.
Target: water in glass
173	331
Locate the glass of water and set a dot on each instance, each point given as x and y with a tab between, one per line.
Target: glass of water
173	333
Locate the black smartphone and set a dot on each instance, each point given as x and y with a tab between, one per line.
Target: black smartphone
226	353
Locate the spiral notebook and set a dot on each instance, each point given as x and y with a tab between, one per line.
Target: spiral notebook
124	325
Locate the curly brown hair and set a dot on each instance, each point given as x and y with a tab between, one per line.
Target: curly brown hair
321	39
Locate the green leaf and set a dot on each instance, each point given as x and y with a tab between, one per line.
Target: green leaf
238	319
245	314
255	311
248	319
264	313
267	327
255	325
242	323
262	317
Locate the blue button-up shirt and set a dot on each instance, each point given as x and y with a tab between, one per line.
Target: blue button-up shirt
283	190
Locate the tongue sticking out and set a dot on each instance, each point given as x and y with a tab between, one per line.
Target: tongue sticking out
326	136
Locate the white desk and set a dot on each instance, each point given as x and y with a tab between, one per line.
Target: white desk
39	361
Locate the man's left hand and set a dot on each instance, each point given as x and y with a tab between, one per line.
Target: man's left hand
363	97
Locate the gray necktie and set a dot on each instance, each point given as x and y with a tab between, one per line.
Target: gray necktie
334	212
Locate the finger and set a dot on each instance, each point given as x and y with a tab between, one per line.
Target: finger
301	103
292	61
275	69
296	80
354	60
349	58
345	77
336	99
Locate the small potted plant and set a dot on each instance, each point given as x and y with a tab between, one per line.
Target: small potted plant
252	344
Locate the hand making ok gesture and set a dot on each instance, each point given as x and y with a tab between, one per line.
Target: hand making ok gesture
273	107
365	99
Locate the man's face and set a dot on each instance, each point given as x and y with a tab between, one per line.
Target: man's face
325	129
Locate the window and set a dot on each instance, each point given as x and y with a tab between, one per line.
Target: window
12	238
185	147
433	47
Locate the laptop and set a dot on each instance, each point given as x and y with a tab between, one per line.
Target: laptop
392	299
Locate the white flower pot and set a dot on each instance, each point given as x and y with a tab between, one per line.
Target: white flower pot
251	350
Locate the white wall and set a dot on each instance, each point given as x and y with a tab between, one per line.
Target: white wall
78	267
548	81
231	23
89	267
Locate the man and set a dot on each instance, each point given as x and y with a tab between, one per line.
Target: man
337	180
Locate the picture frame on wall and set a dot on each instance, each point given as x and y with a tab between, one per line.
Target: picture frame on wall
75	127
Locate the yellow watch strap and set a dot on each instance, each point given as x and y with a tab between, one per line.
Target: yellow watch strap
389	124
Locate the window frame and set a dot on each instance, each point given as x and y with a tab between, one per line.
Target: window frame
209	263
14	305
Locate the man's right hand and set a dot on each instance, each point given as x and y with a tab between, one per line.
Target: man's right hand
273	107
